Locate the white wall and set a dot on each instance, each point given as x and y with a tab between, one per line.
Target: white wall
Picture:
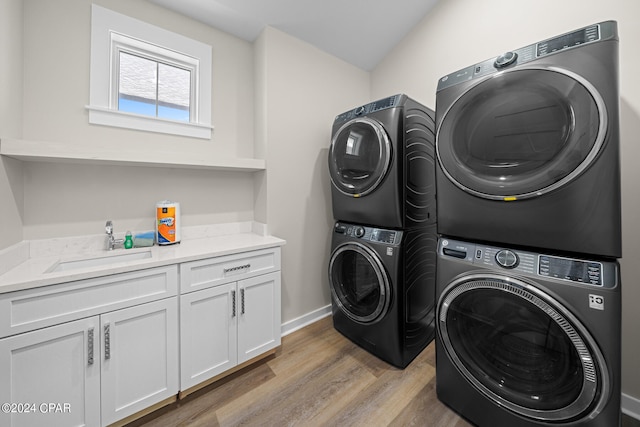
11	188
275	99
63	199
302	89
458	33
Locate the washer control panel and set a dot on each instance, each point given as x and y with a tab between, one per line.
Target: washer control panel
370	234
570	269
588	272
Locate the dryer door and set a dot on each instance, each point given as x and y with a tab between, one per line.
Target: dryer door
359	156
359	283
522	348
521	133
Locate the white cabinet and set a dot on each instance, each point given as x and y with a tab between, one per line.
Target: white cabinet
95	370
259	315
208	339
139	358
104	350
233	317
58	365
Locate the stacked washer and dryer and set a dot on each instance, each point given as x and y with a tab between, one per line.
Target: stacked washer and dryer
383	250
528	283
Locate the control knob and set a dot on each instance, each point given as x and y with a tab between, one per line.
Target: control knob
505	59
358	231
507	259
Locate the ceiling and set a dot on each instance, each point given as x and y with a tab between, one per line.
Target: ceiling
361	32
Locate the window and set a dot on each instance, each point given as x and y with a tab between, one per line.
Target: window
146	78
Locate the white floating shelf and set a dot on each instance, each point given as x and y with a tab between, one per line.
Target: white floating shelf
40	151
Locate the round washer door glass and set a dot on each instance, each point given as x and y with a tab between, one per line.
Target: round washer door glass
521	133
522	349
359	284
359	156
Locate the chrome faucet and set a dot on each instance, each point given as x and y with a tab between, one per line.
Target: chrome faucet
112	242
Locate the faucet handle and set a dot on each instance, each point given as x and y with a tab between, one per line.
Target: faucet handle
108	227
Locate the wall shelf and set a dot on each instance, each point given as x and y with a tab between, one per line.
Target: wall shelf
41	151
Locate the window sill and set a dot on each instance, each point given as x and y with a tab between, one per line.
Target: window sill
45	151
108	117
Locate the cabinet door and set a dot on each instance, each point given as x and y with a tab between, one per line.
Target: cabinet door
259	315
139	358
51	377
207	333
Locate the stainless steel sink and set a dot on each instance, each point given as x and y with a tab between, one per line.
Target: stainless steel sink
96	261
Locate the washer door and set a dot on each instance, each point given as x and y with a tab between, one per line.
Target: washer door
522	349
521	133
359	156
359	283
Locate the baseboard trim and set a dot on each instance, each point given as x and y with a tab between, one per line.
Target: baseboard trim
304	320
631	406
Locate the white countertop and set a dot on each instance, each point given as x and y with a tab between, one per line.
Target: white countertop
31	272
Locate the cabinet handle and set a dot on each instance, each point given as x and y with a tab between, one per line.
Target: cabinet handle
240	267
107	342
242	300
90	346
233	303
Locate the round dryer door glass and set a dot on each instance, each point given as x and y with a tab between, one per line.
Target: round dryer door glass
521	133
522	349
359	156
359	284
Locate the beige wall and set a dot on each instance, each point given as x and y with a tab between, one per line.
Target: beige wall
302	91
11	187
458	33
62	199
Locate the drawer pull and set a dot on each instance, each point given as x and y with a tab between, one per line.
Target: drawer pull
107	342
242	300
233	303
240	267
90	346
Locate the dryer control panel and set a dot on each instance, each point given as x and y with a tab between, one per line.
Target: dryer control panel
588	272
371	234
381	104
593	33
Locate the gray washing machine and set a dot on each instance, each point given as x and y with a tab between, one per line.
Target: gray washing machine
529	142
527	339
382	164
383	289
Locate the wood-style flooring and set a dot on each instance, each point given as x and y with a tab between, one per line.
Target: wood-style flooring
317	378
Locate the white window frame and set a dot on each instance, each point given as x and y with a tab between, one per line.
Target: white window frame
111	30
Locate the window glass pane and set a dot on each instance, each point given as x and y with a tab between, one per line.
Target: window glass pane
137	85
174	88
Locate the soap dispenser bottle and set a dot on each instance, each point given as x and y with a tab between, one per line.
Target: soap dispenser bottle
128	240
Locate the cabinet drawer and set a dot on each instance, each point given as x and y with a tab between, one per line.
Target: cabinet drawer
40	307
210	272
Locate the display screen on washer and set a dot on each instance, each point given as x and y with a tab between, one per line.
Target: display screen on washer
571	269
383	236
